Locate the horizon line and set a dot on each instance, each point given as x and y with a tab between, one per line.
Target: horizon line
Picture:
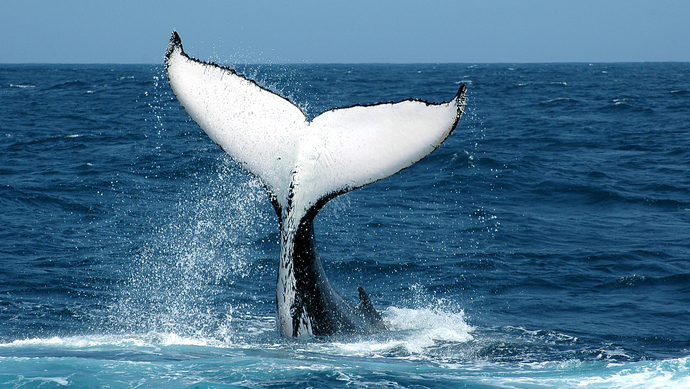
349	63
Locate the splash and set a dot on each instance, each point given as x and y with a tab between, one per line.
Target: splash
415	334
182	279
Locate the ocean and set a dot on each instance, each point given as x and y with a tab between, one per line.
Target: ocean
545	244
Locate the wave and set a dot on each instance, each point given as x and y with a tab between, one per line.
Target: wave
181	362
22	86
429	346
414	334
634	281
595	193
560	102
67	85
84	342
429	335
414	330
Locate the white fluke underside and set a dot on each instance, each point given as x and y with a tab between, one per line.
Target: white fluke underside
339	150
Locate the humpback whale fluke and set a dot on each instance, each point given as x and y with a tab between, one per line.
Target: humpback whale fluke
303	164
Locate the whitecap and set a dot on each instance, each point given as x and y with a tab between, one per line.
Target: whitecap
147	340
654	374
413	332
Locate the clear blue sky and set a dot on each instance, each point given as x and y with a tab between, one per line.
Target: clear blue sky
352	31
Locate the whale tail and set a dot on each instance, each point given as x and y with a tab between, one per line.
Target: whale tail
303	164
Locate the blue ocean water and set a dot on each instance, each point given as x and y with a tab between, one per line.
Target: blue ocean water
545	244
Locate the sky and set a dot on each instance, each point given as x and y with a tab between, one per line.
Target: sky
348	31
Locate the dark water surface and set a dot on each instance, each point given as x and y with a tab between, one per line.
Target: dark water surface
545	244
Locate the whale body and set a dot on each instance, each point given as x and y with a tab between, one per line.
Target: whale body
303	164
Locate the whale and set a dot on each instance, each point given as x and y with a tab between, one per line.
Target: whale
302	164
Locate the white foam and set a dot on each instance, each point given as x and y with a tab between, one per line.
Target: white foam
151	339
438	325
428	327
670	373
412	333
61	381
